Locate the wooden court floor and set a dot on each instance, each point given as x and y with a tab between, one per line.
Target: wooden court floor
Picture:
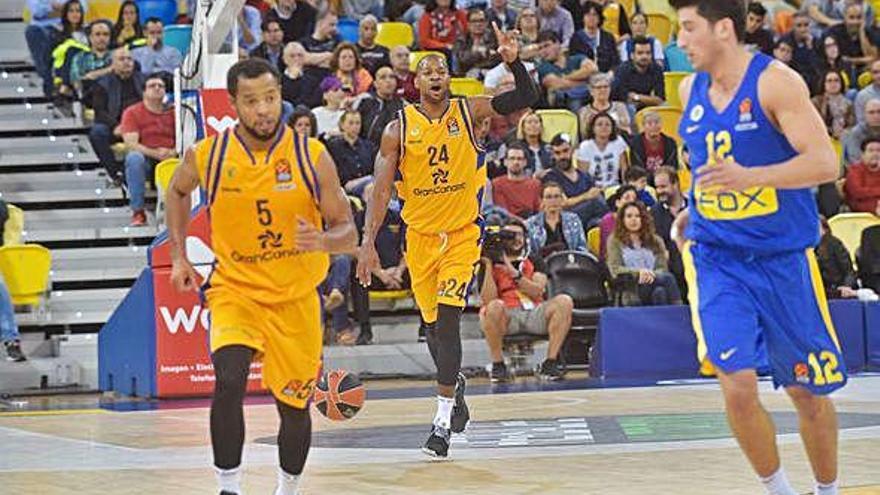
639	440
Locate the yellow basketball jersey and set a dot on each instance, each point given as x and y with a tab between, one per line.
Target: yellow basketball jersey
254	199
442	169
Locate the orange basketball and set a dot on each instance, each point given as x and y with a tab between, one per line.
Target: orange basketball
339	395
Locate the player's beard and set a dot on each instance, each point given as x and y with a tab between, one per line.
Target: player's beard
263	137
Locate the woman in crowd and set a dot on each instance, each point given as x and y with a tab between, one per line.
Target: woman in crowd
303	121
835	108
600	89
528	26
638	254
72	24
346	65
603	154
353	155
441	26
830	59
128	24
624	194
554	229
529	130
594	42
639	24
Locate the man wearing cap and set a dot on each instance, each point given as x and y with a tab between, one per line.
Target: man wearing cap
335	102
581	195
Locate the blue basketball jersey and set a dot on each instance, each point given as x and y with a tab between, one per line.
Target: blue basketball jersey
761	220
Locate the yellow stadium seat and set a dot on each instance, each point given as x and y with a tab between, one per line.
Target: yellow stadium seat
385	295
838	148
25	270
556	120
660	27
629	6
671	81
612	19
417	56
864	79
669	116
103	9
391	34
848	228
14	226
684	180
161	178
466	86
594	240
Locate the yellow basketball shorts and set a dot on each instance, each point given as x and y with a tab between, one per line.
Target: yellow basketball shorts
441	267
286	336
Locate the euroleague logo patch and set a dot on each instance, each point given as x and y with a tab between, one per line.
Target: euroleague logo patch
801	373
452	127
283	175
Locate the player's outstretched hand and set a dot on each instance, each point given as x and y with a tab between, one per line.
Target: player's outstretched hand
184	277
308	238
726	175
368	261
508	44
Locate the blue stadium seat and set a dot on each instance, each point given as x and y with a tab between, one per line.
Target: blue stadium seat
348	29
166	10
179	36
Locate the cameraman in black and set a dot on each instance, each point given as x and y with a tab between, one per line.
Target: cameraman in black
512	300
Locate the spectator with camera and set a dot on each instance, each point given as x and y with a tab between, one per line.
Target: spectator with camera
554	229
512	301
637	258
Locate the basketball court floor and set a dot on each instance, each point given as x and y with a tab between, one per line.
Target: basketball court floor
569	438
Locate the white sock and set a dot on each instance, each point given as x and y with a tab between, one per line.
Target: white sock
826	489
443	418
777	484
287	483
229	480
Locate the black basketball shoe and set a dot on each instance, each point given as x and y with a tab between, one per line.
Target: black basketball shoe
437	445
461	416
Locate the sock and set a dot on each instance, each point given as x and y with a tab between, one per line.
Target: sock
443	418
826	488
287	483
229	480
777	484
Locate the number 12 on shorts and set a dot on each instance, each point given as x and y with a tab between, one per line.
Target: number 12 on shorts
824	368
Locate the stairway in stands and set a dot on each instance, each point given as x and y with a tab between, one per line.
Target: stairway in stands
48	168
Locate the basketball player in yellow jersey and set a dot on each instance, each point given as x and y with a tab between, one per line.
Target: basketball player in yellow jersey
433	147
270	192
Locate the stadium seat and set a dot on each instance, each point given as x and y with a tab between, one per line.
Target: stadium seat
660	26
166	10
612	19
391	34
14	226
864	79
684	180
848	228
671	81
555	120
104	9
580	275
669	116
25	270
594	239
629	6
466	86
348	29
417	56
161	178
179	36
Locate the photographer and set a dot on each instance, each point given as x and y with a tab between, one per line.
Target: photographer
512	301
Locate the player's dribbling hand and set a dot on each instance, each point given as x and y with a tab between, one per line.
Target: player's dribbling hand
726	175
184	277
508	44
368	262
308	238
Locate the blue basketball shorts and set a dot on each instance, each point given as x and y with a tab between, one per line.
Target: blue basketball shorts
741	302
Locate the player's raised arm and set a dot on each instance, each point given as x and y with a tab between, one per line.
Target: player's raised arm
340	234
524	93
786	101
377	204
177	211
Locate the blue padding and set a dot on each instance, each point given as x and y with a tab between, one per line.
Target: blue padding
348	29
849	317
166	10
127	343
872	335
179	36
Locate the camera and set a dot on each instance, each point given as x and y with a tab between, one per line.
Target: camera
496	242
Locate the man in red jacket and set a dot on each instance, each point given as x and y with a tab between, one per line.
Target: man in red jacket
517	192
863	179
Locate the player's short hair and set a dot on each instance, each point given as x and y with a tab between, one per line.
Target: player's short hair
667	171
251	68
874	138
757	8
716	10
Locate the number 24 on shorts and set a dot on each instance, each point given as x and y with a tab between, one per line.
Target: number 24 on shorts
452	289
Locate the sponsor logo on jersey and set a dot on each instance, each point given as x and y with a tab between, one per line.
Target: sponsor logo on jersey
697	113
270	239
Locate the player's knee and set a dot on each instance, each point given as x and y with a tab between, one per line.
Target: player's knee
231	368
741	393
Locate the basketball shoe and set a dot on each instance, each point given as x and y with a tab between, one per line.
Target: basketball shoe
437	444
461	416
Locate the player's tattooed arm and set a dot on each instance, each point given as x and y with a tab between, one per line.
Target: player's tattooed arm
340	234
377	204
177	211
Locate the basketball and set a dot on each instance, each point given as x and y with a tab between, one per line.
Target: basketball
339	395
